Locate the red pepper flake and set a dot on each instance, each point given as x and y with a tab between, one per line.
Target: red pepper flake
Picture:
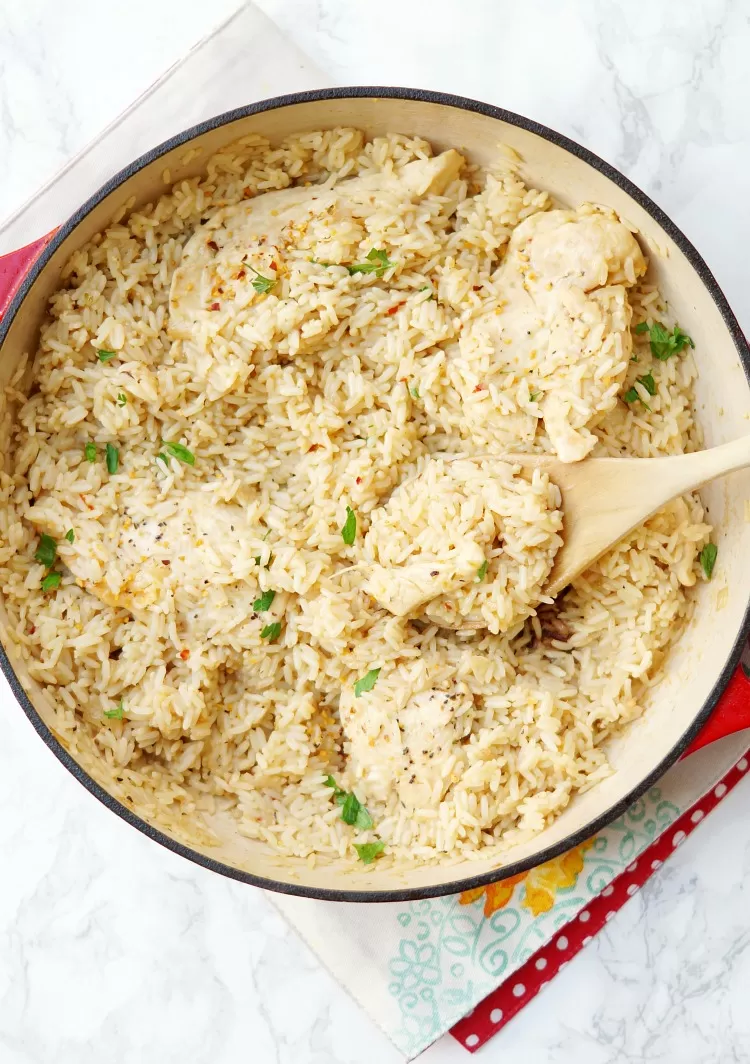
215	306
165	561
359	480
476	288
241	275
481	388
32	629
247	193
273	265
213	245
185	654
313	447
393	309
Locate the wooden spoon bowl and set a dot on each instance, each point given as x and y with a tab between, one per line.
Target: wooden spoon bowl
603	499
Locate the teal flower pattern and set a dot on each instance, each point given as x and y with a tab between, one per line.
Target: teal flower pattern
450	955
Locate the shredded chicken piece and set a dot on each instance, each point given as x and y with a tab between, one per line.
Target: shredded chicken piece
406	739
190	553
403	589
464	544
565	317
238	259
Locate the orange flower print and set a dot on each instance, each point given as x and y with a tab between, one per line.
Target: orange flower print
496	895
542	884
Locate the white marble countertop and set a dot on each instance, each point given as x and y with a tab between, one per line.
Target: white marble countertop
114	951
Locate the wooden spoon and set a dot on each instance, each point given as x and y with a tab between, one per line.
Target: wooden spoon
605	498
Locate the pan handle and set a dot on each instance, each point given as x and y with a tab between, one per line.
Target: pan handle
15	265
731	715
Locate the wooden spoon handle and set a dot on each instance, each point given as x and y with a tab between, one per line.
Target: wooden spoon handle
691	471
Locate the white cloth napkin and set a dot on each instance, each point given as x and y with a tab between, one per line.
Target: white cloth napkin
418	967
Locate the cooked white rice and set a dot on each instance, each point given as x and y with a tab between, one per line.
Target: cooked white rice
328	394
471	542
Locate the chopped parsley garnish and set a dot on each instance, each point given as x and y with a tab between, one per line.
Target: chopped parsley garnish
534	396
707	558
632	395
414	391
355	814
349	528
121	398
46	552
482	571
113	459
262	284
164	458
664	344
116	713
264	602
258	557
368	851
271	632
103	355
352	810
648	383
51	581
377	263
367	682
70	536
90	452
426	288
178	451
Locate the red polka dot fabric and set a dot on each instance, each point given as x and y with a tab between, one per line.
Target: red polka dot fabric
492	1014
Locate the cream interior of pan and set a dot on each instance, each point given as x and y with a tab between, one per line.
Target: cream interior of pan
723	404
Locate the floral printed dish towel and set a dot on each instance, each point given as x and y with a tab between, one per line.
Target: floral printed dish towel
418	968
